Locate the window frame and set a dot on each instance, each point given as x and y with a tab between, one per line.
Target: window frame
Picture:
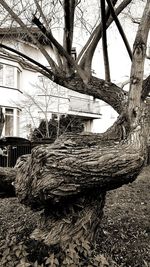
15	120
9	121
16	76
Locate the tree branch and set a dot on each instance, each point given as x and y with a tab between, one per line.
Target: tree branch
25	29
61	50
104	42
59	62
41	12
69	9
26	57
89	48
120	28
92	38
98	88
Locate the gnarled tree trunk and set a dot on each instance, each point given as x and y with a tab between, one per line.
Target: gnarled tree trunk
70	181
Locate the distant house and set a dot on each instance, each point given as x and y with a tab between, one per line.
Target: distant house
15	79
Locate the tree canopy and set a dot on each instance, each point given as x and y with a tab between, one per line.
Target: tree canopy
61	25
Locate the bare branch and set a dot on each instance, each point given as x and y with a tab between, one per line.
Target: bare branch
89	48
60	48
69	9
120	28
26	57
92	36
97	88
59	62
104	42
41	12
25	29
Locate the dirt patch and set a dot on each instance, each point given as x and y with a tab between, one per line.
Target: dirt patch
125	229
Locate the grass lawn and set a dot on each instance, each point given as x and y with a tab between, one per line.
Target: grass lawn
125	229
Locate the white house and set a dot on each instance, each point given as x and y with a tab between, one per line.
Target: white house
16	80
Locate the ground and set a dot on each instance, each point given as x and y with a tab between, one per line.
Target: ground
125	229
124	235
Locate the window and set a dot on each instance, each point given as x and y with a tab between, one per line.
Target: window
9	122
9	76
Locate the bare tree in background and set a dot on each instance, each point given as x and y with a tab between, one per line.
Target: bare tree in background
45	111
41	102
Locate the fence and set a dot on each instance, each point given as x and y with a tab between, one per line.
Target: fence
11	148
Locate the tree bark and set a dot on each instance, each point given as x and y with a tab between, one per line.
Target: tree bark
63	170
77	217
69	182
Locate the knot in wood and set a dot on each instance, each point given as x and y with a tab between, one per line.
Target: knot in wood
134	80
139	48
